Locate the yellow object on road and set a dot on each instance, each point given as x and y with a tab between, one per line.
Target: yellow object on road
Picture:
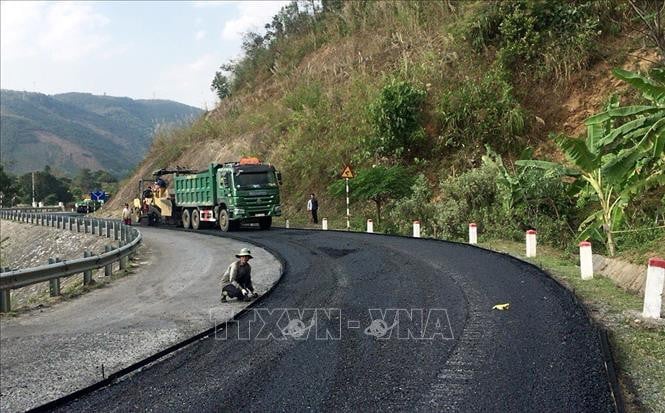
501	307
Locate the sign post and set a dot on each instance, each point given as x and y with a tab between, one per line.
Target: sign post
347	173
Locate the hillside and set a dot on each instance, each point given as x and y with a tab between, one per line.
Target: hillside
425	86
78	130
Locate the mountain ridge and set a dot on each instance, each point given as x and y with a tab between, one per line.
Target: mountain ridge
75	130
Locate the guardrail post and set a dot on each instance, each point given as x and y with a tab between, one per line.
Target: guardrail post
124	260
115	231
108	269
78	225
54	283
5	301
86	223
108	228
135	234
70	224
5	296
87	275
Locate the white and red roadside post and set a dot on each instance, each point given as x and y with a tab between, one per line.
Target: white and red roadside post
531	243
653	289
416	229
473	233
586	260
370	226
324	224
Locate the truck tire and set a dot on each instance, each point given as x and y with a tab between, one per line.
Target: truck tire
153	219
196	221
265	223
186	219
224	221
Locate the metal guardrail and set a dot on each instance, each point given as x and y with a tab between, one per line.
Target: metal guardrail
128	239
50	208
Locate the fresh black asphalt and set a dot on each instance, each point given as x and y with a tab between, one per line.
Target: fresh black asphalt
541	354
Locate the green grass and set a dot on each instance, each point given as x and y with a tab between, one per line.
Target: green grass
638	346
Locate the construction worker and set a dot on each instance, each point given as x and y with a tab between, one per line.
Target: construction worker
126	215
237	279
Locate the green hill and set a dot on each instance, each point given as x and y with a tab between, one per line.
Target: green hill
79	130
428	86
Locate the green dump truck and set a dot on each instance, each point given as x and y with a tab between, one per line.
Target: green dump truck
228	194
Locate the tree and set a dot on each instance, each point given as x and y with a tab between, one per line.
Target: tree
85	180
622	155
220	85
651	13
379	184
8	187
45	184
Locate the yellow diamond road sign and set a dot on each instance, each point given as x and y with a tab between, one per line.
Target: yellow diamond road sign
347	173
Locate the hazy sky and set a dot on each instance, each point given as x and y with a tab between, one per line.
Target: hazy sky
143	50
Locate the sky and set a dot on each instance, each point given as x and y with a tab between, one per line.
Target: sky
142	50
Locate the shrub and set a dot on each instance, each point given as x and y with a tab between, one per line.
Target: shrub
417	206
396	120
559	33
481	113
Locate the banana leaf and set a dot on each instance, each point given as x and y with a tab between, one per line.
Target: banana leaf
654	91
546	165
620	113
579	153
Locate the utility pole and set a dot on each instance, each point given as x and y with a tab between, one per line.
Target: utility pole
34	205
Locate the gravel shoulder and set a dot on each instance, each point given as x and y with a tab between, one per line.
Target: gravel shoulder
172	295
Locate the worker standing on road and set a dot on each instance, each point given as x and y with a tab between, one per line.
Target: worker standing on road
237	280
313	208
126	218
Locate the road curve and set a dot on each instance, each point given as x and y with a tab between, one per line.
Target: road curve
49	353
540	355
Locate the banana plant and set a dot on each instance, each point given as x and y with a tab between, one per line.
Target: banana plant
621	156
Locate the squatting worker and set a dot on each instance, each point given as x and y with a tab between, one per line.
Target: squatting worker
237	279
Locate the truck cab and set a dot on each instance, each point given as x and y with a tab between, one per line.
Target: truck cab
248	192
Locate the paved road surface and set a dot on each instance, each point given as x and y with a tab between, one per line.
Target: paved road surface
540	355
172	296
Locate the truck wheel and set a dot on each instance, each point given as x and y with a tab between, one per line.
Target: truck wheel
186	219
196	222
153	219
265	223
223	219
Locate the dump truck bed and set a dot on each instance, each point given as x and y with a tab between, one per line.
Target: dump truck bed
197	189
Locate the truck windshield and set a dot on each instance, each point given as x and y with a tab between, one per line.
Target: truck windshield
256	179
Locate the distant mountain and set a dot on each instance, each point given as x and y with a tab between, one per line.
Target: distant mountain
79	130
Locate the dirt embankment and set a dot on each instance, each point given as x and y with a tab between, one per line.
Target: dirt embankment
24	245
